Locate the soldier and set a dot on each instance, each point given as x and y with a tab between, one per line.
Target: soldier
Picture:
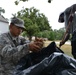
13	47
69	17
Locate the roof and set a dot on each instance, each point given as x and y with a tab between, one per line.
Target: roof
2	19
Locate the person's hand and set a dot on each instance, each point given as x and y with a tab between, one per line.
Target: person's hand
39	42
34	47
61	43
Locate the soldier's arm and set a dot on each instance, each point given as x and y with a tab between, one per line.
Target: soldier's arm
66	35
14	53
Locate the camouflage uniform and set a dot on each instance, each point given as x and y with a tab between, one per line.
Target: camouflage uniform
10	53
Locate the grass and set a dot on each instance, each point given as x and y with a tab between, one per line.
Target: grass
66	48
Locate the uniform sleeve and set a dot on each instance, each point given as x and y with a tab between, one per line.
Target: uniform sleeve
12	53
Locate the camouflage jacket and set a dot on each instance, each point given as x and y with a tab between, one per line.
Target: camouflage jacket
10	53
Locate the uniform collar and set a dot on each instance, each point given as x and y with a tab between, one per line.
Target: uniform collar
13	38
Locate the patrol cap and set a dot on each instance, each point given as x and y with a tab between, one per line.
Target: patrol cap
17	22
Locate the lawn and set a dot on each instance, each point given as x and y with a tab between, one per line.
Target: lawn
66	48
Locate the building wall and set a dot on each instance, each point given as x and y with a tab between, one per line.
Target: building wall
4	27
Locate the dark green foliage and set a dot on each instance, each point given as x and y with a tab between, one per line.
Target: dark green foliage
59	33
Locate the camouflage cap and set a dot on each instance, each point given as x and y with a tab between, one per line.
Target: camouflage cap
18	22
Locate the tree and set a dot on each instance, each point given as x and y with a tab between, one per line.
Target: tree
34	21
17	1
2	10
59	33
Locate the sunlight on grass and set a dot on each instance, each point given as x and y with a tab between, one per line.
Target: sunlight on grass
67	49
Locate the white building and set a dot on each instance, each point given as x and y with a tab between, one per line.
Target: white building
4	25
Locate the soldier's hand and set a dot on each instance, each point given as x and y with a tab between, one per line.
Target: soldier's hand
34	47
